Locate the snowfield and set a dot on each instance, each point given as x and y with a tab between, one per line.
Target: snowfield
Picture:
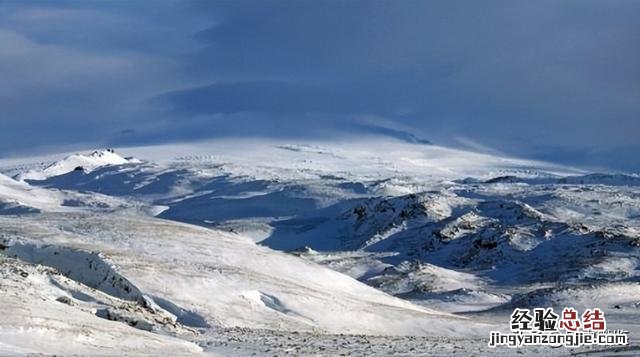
370	246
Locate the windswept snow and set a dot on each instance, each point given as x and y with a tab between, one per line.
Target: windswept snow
374	237
20	197
218	275
17	197
44	312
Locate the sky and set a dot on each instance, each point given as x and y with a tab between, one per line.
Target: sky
549	80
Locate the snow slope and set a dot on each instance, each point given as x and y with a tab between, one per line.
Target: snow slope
441	229
20	197
41	316
202	277
17	197
241	284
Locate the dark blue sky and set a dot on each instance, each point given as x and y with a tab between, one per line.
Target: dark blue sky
553	80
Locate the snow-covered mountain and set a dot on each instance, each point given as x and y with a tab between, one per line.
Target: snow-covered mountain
75	162
374	237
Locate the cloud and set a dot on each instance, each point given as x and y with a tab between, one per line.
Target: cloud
55	90
542	79
391	97
42	83
511	75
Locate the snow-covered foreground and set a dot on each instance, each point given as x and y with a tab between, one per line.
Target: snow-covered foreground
363	238
184	277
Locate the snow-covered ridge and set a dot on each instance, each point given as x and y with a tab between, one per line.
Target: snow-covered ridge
222	278
18	196
446	230
83	162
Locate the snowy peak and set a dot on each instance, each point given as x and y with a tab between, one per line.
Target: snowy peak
79	162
